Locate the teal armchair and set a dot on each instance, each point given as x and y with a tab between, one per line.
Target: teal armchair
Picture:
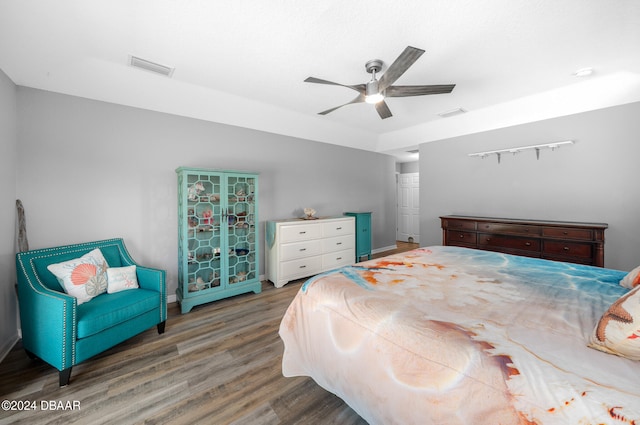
62	333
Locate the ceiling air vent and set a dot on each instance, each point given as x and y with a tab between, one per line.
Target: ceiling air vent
414	151
452	112
137	62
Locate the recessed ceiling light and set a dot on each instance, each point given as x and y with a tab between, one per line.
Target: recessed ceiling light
583	72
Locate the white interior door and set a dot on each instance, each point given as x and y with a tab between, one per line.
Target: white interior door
408	207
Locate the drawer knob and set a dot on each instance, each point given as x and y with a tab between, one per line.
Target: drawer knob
303	249
565	233
527	244
338	243
338	228
488	239
302	267
339	258
566	248
461	236
302	233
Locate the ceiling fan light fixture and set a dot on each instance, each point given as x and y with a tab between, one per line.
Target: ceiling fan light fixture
372	94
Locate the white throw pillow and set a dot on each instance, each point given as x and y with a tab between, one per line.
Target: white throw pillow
121	279
618	330
84	277
632	278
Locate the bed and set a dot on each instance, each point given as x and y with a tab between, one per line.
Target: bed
448	335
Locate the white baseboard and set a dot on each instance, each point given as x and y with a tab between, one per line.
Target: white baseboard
8	345
386	248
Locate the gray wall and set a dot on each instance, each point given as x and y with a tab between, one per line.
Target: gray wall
89	170
409	167
8	148
594	180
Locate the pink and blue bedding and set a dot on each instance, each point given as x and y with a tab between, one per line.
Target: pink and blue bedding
447	335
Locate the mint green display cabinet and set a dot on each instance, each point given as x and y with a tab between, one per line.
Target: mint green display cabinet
217	235
363	234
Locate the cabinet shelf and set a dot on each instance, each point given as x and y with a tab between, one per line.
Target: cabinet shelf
217	244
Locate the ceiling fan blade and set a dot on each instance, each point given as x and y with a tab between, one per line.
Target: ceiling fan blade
383	110
357	99
399	66
360	88
405	91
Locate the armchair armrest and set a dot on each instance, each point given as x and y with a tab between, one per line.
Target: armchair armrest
150	278
155	280
47	319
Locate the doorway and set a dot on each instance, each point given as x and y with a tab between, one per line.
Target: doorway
408	207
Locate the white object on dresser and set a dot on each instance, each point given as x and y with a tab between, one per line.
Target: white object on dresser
298	248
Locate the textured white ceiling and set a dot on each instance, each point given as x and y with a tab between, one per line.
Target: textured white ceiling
244	62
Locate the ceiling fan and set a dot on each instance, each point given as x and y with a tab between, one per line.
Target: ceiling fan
375	91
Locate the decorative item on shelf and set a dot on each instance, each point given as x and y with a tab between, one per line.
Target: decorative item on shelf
241	194
214	197
242	276
309	214
498	153
195	190
207	217
242	251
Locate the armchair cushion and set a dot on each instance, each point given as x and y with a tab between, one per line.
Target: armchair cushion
108	310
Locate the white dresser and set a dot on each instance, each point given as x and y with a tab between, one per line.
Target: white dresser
298	248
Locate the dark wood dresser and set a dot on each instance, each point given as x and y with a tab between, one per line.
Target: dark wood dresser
568	241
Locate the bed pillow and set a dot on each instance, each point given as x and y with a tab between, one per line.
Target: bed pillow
84	277
121	279
618	330
632	279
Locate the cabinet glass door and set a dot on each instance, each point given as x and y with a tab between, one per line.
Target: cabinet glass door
241	222
204	218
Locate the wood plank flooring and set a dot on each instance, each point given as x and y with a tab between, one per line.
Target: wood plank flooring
219	364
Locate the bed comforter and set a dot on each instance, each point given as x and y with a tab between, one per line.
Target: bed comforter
446	335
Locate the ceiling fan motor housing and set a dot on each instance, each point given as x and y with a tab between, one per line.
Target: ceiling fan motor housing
374	65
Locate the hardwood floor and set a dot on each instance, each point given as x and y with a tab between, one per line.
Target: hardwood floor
219	364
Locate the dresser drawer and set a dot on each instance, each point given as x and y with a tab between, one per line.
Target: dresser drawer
300	232
337	243
300	268
337	259
567	233
567	249
498	241
456	236
512	229
338	228
291	251
460	225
